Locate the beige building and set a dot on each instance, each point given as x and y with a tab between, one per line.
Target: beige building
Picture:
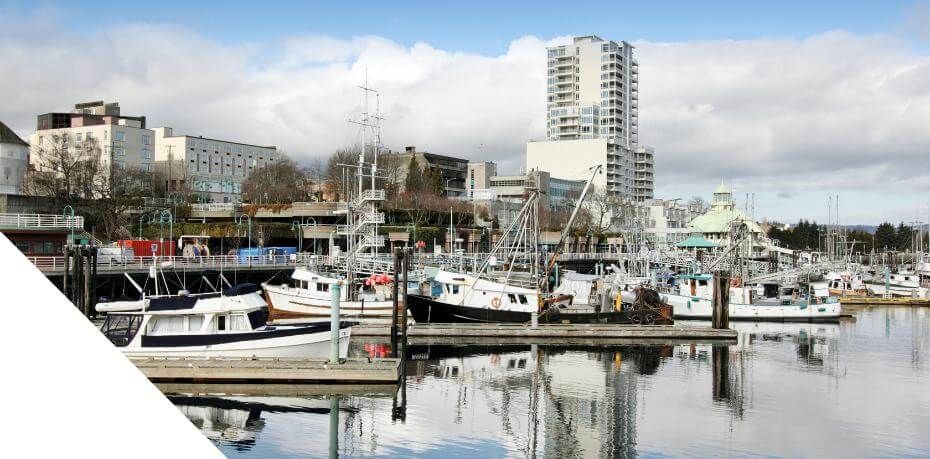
124	141
479	176
214	169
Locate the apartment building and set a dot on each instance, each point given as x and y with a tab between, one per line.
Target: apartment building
214	169
124	141
643	173
593	104
453	171
479	176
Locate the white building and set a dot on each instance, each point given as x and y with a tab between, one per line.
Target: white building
213	168
665	221
14	157
593	103
479	177
124	141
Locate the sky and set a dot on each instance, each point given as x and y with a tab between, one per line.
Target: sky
792	102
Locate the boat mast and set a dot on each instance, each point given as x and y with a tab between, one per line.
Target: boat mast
568	226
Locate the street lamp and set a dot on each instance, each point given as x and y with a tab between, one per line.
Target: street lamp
297	227
239	224
161	218
306	222
70	223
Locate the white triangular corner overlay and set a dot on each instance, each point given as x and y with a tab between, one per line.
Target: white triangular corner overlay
66	391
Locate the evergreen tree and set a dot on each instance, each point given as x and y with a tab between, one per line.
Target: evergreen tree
885	237
903	237
414	180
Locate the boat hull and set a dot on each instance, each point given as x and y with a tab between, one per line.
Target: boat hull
306	345
427	310
687	307
288	303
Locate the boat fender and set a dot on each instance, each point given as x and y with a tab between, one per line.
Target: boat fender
496	302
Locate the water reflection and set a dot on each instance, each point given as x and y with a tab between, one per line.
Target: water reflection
783	389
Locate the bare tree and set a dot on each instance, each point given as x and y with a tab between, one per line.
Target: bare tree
74	171
697	205
280	182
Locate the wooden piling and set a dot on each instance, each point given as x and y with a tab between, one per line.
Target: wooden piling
721	314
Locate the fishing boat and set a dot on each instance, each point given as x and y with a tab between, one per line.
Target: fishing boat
309	299
764	302
900	284
232	323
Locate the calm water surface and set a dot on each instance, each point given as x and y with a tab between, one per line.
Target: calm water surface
857	388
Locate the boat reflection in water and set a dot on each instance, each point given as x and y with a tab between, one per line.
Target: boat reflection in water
800	381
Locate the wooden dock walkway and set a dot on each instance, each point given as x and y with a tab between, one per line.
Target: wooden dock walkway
878	301
550	333
216	370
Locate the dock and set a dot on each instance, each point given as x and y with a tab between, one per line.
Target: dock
569	334
265	370
879	301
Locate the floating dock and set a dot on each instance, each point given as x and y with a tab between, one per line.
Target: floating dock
550	333
878	301
279	371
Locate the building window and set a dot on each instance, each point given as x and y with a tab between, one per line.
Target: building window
146	154
119	136
146	139
119	151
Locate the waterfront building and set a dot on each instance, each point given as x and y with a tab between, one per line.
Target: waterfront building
14	158
593	117
212	168
452	170
666	222
123	141
715	224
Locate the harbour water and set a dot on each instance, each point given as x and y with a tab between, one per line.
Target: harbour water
857	388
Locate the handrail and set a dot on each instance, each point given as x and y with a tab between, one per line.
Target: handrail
41	221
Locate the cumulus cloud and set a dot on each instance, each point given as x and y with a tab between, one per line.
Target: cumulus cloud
828	112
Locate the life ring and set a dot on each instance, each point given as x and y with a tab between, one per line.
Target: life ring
496	302
736	282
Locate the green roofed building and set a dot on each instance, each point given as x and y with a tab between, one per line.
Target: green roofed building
714	226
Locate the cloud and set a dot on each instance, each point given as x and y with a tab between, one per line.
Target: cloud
835	111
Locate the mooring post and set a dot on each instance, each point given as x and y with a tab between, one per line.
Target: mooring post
396	301
721	312
85	302
64	278
403	324
334	427
335	294
93	281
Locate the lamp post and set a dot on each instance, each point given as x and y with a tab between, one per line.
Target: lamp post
307	222
161	217
70	223
297	227
239	224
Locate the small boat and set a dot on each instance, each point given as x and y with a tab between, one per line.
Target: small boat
466	298
901	284
309	299
231	323
694	300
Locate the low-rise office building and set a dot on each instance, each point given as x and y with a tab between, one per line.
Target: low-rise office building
212	168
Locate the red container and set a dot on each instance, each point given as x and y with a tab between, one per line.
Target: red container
147	248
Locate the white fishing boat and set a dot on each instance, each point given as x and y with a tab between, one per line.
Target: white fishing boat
309	299
901	284
231	323
694	300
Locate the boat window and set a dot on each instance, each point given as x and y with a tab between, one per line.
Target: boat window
221	323
322	287
166	325
237	322
702	283
907	277
512	298
121	328
455	289
523	299
258	318
194	323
